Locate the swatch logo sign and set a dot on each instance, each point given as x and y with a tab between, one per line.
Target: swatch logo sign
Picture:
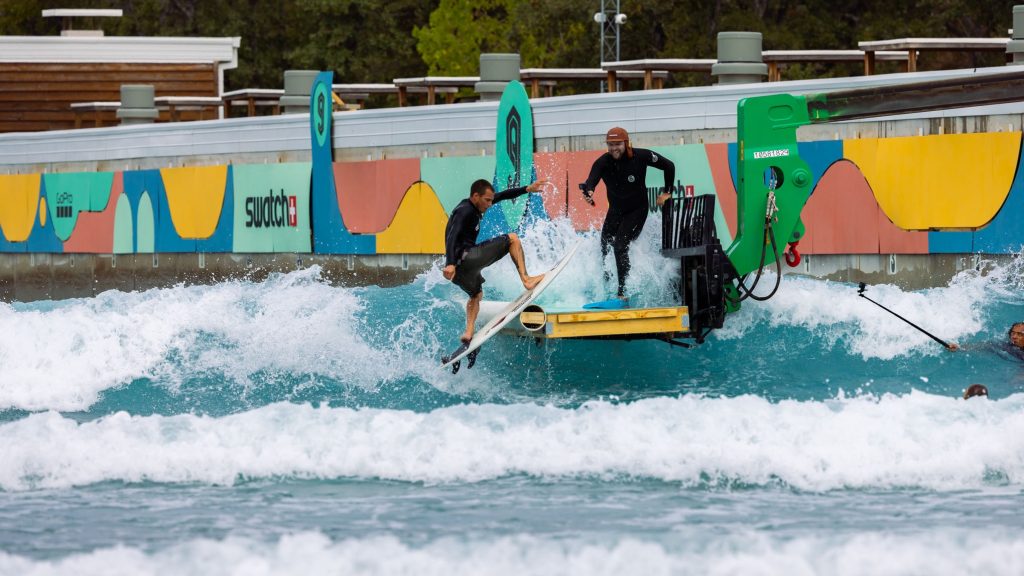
271	211
64	201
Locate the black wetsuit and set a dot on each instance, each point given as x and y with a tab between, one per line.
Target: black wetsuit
626	181
461	249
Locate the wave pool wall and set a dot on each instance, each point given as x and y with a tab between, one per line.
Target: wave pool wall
138	206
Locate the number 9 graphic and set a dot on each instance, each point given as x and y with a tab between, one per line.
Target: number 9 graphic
321	119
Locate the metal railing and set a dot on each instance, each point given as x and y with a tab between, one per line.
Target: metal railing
687	223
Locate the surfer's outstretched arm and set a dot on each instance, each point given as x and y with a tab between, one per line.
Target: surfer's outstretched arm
513	193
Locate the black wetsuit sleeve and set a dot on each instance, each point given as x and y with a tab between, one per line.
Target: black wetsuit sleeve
510	194
666	166
451	239
595	172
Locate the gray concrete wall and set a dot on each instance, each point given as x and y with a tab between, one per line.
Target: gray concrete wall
29	277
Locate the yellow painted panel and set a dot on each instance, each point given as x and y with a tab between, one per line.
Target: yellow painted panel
617	327
953	181
195	198
418	226
628	314
616	323
19	198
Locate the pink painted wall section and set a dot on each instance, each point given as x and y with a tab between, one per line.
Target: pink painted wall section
553	167
894	240
94	231
718	160
841	215
566	170
369	193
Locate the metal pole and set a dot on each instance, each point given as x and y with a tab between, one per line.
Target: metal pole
600	38
617	27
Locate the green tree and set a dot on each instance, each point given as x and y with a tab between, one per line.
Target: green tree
544	34
460	30
361	41
378	40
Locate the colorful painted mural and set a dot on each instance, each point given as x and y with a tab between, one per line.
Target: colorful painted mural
914	195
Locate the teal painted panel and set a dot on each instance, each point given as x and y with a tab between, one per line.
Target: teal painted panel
70	193
451	177
124	226
692	169
146	226
272	207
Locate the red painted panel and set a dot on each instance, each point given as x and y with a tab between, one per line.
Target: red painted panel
94	231
718	160
894	240
583	215
566	170
842	215
554	167
369	193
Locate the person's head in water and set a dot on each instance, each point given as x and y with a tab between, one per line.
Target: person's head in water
618	143
975	390
1016	335
481	195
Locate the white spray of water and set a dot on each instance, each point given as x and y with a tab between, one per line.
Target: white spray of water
650	282
940	552
63	357
919	439
834	312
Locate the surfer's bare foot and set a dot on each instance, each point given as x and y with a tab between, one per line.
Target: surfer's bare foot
531	281
466	338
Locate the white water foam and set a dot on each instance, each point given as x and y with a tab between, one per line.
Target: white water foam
835	312
832	311
917	440
62	355
583	280
942	552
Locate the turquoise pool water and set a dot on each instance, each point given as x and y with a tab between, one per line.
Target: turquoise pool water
292	427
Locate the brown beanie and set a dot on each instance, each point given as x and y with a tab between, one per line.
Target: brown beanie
617	135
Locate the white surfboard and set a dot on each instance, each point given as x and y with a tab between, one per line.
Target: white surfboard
511	311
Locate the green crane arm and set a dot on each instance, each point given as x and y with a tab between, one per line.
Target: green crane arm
769	162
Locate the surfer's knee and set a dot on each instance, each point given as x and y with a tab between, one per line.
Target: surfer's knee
513	238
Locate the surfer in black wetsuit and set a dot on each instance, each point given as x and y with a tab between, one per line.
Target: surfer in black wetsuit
1014	345
624	172
465	259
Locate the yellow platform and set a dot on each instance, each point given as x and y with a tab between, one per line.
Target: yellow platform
625	323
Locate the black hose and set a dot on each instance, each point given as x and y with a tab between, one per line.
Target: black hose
749	292
741	286
778	271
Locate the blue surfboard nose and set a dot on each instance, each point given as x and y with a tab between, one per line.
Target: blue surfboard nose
611	304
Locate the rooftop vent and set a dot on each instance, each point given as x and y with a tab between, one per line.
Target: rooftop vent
66	14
